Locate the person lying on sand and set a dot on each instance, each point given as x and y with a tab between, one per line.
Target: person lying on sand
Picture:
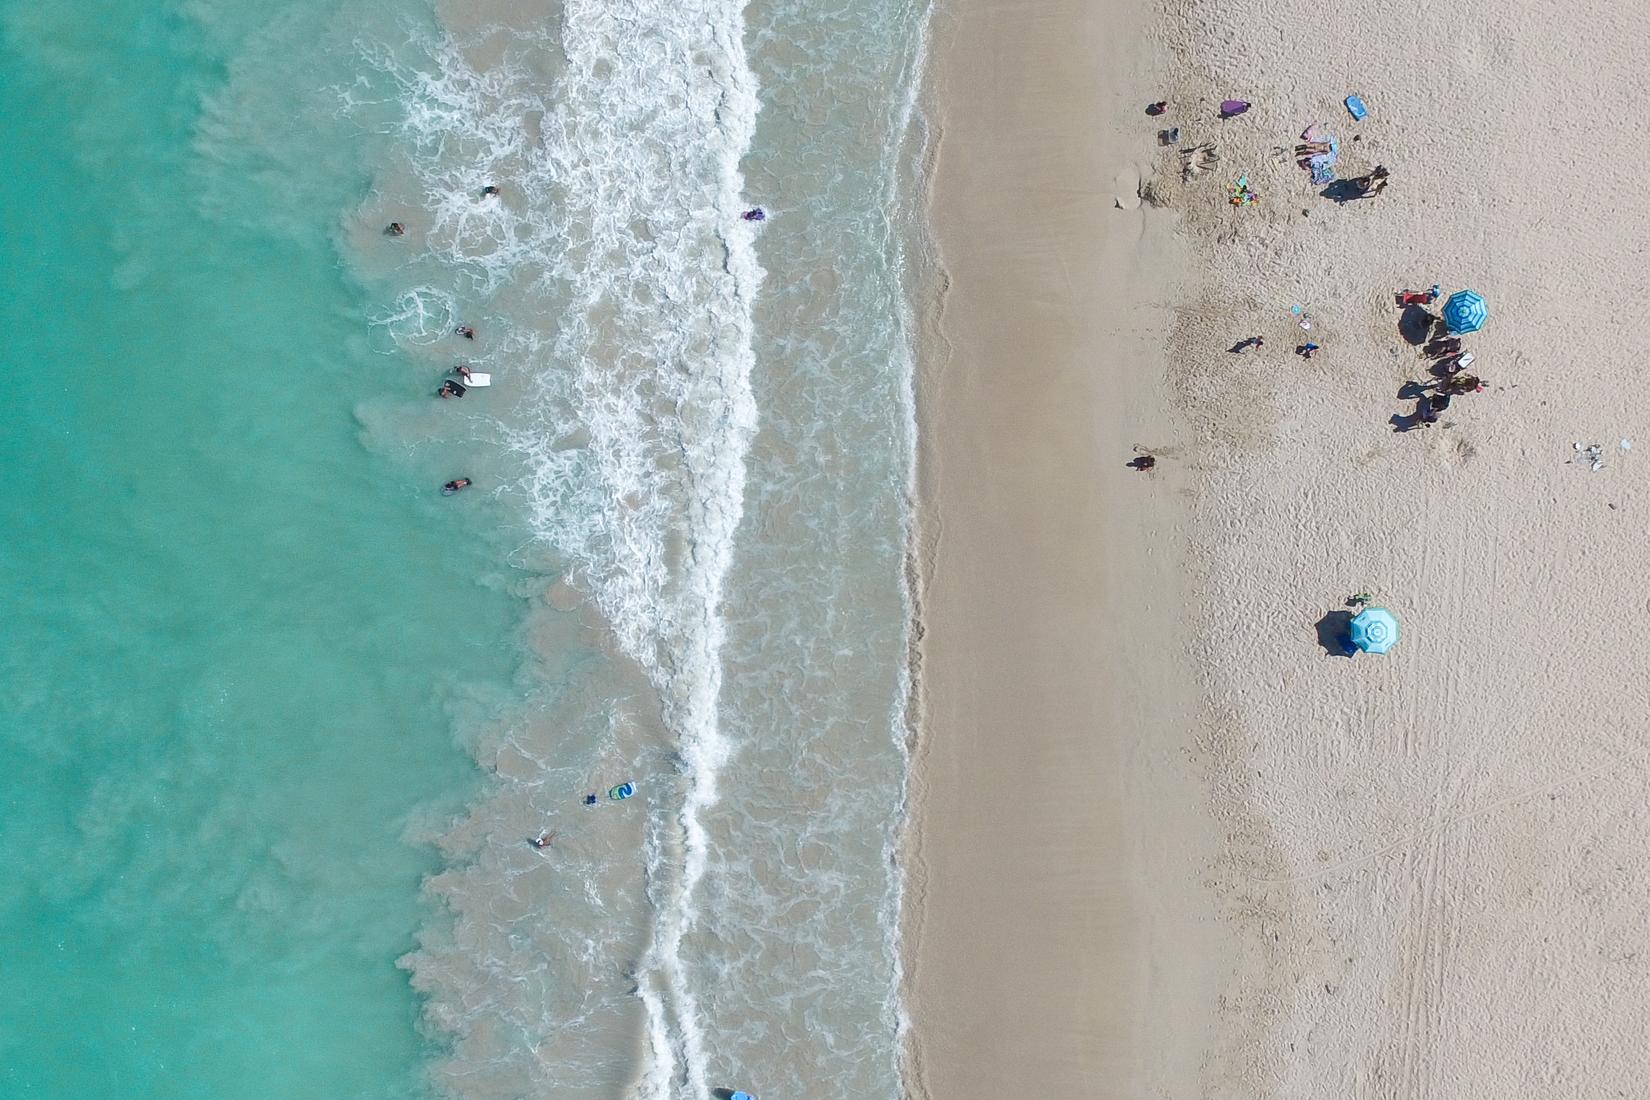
1454	364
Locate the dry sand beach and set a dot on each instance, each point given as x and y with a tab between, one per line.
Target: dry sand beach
1166	843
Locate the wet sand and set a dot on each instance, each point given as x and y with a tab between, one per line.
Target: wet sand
1056	926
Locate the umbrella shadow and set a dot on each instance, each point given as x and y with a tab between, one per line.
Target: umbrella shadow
1415	325
1335	634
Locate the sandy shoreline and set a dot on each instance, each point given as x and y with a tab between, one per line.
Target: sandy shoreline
1166	841
1054	927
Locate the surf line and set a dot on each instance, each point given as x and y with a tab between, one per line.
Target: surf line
716	470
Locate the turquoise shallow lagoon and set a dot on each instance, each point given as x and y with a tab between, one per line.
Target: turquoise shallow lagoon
237	640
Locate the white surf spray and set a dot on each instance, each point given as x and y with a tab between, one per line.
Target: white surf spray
623	278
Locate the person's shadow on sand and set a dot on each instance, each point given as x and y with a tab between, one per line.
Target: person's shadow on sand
1335	634
1411	391
1343	191
1415	325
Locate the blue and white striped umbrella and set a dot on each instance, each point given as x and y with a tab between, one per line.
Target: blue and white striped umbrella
1374	630
1465	312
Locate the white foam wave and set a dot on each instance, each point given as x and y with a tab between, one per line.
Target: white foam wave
621	212
468	128
419	317
909	201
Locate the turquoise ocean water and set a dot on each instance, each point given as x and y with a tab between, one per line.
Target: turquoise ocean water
233	635
252	658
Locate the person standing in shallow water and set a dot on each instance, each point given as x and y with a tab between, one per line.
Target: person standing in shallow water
395	229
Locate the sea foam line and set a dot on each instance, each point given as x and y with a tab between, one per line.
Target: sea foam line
639	410
905	705
717	471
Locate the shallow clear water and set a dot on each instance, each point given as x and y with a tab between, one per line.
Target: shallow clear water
235	638
252	656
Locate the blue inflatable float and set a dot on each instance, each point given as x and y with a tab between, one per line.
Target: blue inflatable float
622	792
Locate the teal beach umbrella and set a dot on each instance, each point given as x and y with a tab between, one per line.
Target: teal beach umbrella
1466	311
1374	630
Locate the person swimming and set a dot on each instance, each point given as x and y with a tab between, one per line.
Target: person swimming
490	191
395	229
463	371
465	331
543	840
450	389
457	484
754	214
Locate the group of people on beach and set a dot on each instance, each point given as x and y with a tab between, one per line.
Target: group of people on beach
1448	360
1448	368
